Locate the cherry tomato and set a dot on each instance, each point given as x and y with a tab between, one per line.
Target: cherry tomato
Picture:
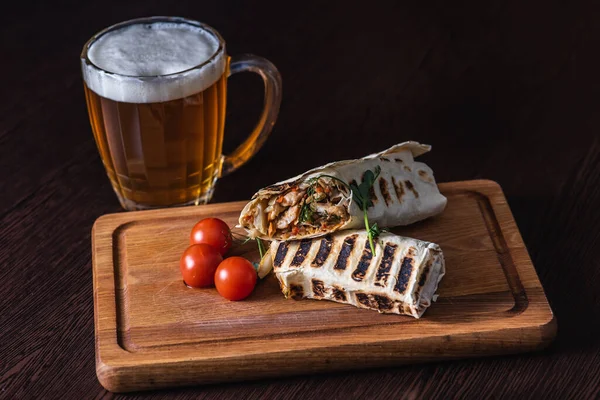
214	232
235	278
198	265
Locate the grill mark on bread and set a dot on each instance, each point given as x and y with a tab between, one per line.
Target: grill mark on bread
282	250
375	301
411	187
398	188
318	288
303	249
323	253
275	187
339	294
384	303
363	298
296	292
424	176
425	273
383	186
385	265
422	279
347	246
405	271
363	264
404	275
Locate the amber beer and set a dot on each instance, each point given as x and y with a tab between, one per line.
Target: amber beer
156	92
162	153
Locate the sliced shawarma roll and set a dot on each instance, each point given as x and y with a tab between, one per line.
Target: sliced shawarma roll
401	278
320	201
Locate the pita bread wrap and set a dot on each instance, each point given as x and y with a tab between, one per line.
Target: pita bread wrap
402	277
320	201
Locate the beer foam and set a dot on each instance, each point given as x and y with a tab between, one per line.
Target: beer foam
153	62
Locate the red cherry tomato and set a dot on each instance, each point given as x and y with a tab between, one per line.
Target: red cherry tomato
235	278
198	265
214	232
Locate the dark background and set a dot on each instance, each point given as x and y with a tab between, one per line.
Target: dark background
504	90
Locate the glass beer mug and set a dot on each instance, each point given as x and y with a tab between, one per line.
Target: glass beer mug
156	91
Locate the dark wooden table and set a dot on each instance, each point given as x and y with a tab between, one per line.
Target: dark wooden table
503	90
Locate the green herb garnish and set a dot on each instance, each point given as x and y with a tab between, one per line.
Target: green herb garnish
360	195
261	247
242	240
306	213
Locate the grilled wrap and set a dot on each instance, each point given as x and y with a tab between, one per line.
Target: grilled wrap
404	192
401	278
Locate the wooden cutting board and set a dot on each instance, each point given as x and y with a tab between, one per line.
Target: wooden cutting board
152	331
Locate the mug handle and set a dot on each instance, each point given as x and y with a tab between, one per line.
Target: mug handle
272	100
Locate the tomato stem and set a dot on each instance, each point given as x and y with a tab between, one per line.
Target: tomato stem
369	233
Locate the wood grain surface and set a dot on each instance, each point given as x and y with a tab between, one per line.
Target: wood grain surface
152	331
503	90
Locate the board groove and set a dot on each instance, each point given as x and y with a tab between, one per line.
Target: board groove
147	323
504	257
131	347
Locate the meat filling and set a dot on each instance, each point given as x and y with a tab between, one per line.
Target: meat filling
311	207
